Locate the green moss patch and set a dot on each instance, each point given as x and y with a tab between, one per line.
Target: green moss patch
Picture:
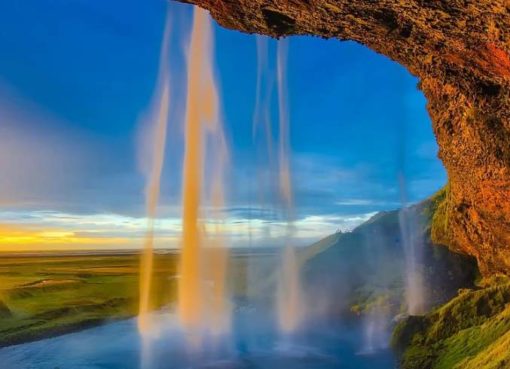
470	331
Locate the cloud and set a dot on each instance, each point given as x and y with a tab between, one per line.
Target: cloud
53	230
367	202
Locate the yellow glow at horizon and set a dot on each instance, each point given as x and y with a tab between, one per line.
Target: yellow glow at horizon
56	234
14	238
62	231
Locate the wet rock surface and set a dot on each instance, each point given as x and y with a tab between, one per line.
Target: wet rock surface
460	51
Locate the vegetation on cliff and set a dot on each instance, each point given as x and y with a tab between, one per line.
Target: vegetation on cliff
438	215
471	331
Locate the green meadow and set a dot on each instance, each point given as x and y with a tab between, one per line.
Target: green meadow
42	296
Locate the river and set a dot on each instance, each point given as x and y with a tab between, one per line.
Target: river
253	344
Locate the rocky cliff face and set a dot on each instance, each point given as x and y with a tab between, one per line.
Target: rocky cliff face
460	51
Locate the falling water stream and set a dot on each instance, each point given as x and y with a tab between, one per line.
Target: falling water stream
201	290
411	239
413	245
201	116
262	135
159	121
160	118
289	300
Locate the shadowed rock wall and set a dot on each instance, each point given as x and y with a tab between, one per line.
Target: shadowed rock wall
460	51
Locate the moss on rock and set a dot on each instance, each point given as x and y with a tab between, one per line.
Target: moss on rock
471	331
439	231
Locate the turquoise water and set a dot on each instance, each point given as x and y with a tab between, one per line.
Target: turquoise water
252	344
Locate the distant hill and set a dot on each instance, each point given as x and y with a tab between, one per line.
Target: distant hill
347	272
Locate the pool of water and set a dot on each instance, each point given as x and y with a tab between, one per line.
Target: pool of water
253	343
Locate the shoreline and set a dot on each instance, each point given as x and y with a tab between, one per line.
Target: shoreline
60	331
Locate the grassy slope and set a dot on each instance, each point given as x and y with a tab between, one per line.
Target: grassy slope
471	331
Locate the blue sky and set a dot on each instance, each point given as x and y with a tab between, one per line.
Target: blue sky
77	78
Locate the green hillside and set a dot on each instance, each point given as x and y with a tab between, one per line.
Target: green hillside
472	331
367	264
